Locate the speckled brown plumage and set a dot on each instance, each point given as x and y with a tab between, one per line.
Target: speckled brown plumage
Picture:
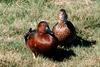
64	29
61	31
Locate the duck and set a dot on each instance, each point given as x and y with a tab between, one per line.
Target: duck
64	30
40	40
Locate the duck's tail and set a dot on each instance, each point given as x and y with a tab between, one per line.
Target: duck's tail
27	34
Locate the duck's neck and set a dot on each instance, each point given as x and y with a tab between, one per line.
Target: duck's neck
61	21
41	33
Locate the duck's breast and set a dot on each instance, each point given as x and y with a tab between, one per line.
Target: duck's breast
61	31
44	42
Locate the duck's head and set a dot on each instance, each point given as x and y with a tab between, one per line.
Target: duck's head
42	27
62	16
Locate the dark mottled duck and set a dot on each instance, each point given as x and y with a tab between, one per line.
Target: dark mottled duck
64	29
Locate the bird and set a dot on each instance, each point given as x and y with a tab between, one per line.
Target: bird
64	30
40	40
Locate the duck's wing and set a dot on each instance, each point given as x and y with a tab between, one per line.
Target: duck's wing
71	27
27	34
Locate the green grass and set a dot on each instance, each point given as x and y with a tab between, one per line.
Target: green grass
17	16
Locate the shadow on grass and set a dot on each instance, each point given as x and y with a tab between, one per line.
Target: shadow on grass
83	43
60	54
79	41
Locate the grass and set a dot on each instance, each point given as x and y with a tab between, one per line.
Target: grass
17	16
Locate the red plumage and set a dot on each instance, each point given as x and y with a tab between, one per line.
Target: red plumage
40	41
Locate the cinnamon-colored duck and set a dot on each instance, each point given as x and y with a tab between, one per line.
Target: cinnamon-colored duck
64	29
40	41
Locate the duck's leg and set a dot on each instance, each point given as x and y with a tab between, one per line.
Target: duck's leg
35	52
33	55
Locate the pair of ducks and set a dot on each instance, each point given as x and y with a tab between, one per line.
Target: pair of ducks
42	40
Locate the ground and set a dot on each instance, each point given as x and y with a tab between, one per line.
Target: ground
17	16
